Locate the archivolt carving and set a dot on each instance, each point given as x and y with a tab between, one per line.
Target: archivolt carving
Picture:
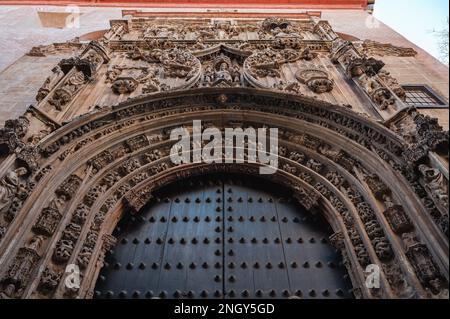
268	63
62	194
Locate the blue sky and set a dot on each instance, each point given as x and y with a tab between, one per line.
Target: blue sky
415	20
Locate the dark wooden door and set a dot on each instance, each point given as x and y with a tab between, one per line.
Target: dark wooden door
223	238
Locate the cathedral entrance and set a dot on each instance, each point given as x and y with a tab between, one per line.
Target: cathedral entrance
223	237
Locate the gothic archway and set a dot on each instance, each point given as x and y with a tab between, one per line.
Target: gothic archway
88	172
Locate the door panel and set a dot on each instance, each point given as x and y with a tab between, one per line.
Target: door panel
222	238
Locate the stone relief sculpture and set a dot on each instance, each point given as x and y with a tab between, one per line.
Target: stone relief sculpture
9	186
66	92
436	184
93	164
370	47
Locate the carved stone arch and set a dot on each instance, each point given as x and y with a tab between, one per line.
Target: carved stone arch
74	213
321	205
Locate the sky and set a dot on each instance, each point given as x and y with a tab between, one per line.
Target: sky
415	20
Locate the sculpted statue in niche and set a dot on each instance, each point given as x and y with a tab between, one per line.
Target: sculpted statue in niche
12	133
9	186
316	79
94	58
112	73
208	75
393	84
222	75
379	94
21	267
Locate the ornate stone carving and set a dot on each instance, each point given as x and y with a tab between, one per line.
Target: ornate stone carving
9	188
378	188
223	72
278	28
101	160
267	62
369	47
49	280
317	80
124	85
379	94
397	217
308	199
49	83
69	187
436	185
393	84
78	64
65	93
338	240
429	132
156	62
28	156
137	200
423	264
63	251
12	133
359	66
274	23
48	220
21	267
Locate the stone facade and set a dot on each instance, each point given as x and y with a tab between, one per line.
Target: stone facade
94	145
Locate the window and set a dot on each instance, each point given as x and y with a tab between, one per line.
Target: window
422	96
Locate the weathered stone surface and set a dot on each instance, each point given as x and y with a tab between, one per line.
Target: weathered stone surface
96	145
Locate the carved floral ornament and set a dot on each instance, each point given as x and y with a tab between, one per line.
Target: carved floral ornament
75	183
319	174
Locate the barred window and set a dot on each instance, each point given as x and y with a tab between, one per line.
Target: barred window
422	96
